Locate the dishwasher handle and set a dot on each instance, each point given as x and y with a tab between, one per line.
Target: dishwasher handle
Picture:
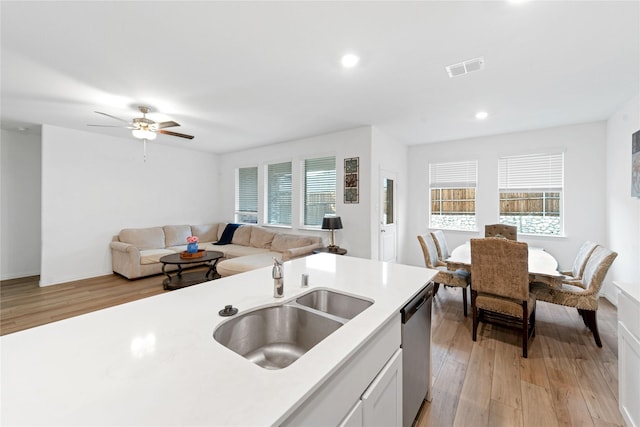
411	308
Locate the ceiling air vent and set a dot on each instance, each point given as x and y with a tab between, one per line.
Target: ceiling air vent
466	67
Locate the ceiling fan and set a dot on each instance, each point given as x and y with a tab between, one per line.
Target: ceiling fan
145	128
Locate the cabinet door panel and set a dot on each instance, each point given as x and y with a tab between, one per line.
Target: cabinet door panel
382	401
354	418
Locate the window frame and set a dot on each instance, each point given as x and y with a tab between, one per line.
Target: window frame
238	195
450	176
303	190
523	176
267	192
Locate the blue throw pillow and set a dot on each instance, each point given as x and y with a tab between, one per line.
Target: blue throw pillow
227	234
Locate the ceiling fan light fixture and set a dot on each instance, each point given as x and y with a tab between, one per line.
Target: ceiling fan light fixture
144	134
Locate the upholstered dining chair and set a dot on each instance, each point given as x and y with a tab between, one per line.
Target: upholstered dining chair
574	277
584	299
441	244
501	230
457	278
500	291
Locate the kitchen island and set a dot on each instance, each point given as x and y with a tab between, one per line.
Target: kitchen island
155	362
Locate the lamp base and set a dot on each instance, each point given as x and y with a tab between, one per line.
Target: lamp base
333	248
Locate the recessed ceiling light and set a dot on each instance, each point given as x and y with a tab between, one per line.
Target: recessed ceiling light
481	115
350	60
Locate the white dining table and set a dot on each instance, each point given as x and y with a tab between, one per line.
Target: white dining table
543	267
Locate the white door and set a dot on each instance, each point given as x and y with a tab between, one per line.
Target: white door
382	401
387	242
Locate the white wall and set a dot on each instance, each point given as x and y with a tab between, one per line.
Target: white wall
584	191
390	155
20	205
95	185
355	235
623	211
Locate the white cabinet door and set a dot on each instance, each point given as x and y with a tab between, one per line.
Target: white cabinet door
629	358
382	401
354	418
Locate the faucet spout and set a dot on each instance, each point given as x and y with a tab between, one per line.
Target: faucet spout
278	278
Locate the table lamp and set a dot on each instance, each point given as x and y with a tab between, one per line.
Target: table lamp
332	223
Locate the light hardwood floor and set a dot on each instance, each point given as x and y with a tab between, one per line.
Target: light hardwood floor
566	380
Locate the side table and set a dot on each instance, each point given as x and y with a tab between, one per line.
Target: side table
337	251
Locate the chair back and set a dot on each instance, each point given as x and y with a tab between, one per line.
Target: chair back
596	269
500	267
501	230
441	244
582	257
428	250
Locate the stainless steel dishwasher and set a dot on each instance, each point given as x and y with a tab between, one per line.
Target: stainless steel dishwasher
416	354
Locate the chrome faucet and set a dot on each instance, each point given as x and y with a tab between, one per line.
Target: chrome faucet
278	278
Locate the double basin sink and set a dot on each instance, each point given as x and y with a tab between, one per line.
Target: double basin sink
274	337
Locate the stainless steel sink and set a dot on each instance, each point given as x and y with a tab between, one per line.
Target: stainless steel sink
275	337
334	303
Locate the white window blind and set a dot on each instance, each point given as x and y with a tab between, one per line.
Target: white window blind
531	172
247	195
319	189
279	194
453	175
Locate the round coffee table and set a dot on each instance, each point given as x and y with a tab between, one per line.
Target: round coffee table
181	280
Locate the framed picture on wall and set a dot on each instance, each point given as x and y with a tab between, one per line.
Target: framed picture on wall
635	164
351	179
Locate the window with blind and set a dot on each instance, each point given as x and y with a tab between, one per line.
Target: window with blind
531	192
247	195
279	194
453	195
319	189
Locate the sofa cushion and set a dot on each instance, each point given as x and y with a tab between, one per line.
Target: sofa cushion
152	256
282	242
180	248
233	251
242	236
232	266
205	232
143	238
176	234
261	238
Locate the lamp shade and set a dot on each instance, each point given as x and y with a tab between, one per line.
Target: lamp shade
331	223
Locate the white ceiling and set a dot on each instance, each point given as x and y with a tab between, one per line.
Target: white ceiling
242	74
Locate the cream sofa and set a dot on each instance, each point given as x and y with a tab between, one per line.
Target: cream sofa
136	252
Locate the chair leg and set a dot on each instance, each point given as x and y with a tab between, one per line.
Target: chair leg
474	313
525	329
436	286
533	322
583	315
590	317
464	301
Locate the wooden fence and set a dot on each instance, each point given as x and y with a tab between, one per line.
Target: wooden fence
462	201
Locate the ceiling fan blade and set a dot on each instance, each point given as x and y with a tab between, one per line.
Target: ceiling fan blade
181	135
112	126
168	124
113	117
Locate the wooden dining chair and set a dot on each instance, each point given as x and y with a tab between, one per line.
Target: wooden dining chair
500	290
501	230
574	276
584	299
458	278
441	244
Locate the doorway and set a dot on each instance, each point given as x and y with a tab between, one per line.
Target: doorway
388	216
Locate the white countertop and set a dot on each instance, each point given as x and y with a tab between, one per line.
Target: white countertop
155	362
